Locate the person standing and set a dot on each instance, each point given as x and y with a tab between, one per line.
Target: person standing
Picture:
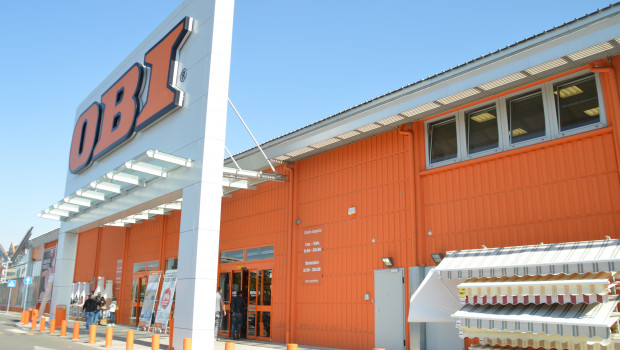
220	311
112	310
100	308
90	309
237	306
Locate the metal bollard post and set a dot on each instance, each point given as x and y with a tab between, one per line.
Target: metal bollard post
76	331
63	328
129	340
52	326
155	342
229	346
34	323
93	334
108	337
291	346
42	329
187	344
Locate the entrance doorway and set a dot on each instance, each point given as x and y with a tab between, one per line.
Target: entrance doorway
141	272
255	287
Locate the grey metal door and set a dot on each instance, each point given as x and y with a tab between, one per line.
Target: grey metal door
390	309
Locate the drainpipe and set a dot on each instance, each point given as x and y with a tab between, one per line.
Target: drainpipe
292	200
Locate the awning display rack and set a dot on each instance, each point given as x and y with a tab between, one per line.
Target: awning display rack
134	173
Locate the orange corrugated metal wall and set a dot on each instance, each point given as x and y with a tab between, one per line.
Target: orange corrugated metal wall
562	190
260	218
86	256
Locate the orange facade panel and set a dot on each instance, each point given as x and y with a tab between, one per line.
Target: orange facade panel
554	192
86	256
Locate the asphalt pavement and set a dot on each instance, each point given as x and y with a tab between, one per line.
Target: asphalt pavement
16	336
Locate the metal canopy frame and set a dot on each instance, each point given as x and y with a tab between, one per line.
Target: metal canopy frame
139	172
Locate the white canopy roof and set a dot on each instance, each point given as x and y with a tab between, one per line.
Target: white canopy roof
542	259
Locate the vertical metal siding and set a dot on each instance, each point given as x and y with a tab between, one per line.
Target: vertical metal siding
555	192
85	257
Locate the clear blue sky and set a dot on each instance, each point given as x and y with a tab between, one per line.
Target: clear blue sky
293	63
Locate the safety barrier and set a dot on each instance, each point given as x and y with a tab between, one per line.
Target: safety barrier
155	342
291	346
63	328
52	325
76	331
187	344
92	336
129	340
108	337
42	329
229	346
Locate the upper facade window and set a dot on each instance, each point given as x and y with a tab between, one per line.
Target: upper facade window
547	111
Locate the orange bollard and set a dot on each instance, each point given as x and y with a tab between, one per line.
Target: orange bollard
229	346
63	328
155	342
34	324
21	320
93	334
76	331
52	326
187	344
108	337
378	349
42	329
291	346
129	340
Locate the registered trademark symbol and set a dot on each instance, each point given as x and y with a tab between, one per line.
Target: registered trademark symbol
183	74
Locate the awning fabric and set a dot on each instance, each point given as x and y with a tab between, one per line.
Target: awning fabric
589	320
549	289
435	300
542	259
524	340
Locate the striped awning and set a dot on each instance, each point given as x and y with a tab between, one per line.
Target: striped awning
566	258
592	321
496	339
548	289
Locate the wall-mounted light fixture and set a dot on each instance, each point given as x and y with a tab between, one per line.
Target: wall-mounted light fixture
297	222
387	261
437	257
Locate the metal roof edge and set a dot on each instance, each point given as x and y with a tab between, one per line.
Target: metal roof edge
482	69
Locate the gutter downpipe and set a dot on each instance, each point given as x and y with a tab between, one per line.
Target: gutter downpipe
292	199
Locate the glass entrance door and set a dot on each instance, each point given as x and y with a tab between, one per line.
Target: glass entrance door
138	289
255	288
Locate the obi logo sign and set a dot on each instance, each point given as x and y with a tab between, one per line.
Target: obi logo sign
107	123
165	298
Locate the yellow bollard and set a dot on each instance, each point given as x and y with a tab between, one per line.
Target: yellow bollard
42	329
52	326
291	346
92	336
76	331
63	328
129	340
187	344
155	342
108	337
229	346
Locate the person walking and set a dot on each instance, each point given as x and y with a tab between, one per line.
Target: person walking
112	310
219	310
237	306
90	309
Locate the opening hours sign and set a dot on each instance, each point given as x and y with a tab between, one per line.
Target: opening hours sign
312	256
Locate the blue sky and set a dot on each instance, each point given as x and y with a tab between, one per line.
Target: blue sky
293	63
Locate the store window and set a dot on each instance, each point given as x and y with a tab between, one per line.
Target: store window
481	129
577	103
547	111
171	264
232	256
526	117
442	140
139	267
260	253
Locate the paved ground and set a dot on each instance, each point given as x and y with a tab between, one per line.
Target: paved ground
15	336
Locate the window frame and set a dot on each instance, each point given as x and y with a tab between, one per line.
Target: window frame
552	128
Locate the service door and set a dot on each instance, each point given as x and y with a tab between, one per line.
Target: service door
390	309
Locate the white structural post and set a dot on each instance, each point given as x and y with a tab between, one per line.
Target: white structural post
200	216
9	301
65	264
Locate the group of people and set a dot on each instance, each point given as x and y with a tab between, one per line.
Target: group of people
94	306
237	308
